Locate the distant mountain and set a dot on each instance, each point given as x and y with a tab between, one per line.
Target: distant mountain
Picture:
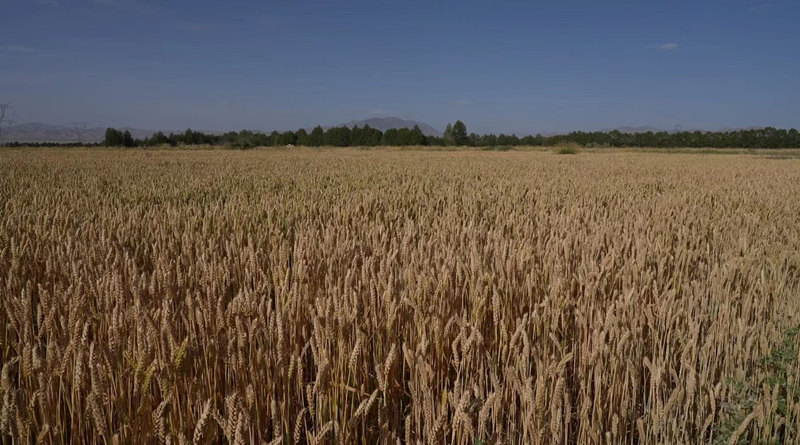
39	132
385	123
638	129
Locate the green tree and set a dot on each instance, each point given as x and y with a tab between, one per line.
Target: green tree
113	138
365	136
302	137
316	137
417	136
127	139
391	137
158	139
338	137
287	138
460	133
448	135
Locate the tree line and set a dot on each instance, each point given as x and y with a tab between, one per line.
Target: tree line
317	137
454	135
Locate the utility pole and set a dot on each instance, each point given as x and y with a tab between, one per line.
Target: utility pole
5	112
80	129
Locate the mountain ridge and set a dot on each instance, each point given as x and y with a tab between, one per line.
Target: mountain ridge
38	132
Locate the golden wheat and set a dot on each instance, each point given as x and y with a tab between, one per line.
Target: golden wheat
345	296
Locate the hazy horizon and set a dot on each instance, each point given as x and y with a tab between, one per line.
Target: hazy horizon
504	67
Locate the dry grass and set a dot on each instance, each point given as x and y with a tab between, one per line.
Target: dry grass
398	297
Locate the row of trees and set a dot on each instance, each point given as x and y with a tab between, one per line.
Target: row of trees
118	138
336	136
456	134
756	138
768	137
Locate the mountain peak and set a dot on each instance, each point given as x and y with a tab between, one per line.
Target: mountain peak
385	123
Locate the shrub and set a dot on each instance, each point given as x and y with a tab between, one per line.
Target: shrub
568	149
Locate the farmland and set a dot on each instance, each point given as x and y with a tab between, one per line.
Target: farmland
389	296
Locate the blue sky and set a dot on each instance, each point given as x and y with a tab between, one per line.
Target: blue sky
508	66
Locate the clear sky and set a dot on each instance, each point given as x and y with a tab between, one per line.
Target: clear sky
500	66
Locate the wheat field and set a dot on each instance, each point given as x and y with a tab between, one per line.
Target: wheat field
352	296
